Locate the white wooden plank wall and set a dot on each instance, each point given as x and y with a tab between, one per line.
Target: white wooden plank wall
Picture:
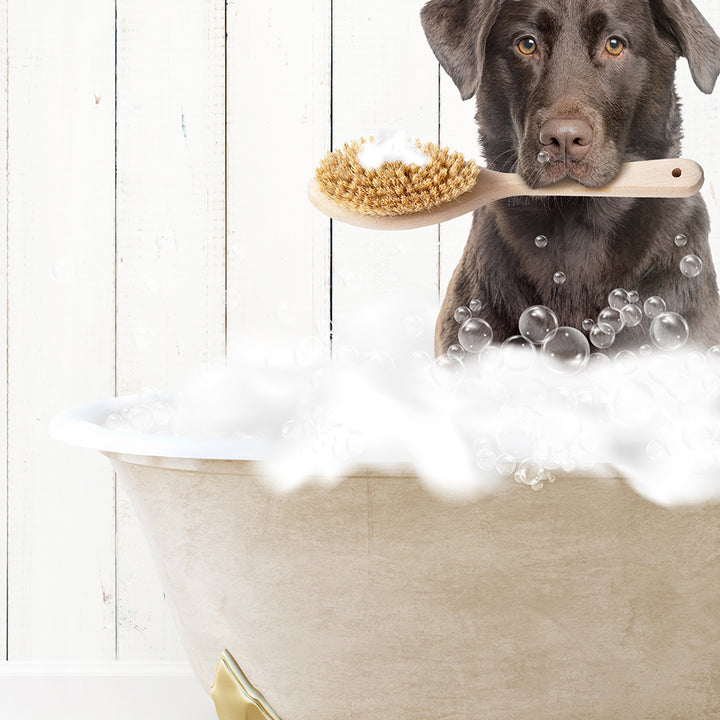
142	235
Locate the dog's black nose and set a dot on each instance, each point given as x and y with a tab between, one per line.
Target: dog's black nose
566	139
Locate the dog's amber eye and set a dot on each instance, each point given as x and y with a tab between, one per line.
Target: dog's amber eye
527	45
614	46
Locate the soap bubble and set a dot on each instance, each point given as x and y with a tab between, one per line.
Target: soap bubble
618	298
567	350
654	306
162	414
669	331
115	421
612	317
413	326
484	454
587	324
537	323
631	315
602	336
559	278
681	240
505	464
521	352
529	472
462	314
543	157
633	297
476	306
541	241
475	335
447	371
140	418
456	352
691	266
626	362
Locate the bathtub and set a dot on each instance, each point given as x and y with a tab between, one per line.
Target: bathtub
376	599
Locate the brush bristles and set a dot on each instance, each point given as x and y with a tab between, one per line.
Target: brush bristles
395	188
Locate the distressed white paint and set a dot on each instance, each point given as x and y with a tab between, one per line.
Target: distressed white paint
384	78
60	326
103	298
278	126
170	244
3	324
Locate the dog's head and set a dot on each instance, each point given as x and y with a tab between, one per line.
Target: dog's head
572	87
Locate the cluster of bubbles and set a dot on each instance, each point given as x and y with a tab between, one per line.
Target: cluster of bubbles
544	403
153	413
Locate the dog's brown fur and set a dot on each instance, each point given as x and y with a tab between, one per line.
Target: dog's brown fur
630	104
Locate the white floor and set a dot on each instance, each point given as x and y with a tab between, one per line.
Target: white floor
111	691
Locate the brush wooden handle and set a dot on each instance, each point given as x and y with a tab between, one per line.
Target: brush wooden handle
674	177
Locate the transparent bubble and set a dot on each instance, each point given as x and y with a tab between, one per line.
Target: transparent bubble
598	362
484	454
669	331
587	324
537	323
475	335
529	472
691	266
645	350
482	444
654	306
567	350
476	306
631	315
626	362
543	157
447	371
559	278
541	241
291	430
505	464
618	298
713	356
681	240
115	421
633	297
456	352
140	418
162	414
413	326
521	352
612	317
602	336
462	314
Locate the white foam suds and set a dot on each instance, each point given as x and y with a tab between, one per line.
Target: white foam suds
391	147
472	421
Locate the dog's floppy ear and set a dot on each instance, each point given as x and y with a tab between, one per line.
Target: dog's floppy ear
457	31
698	42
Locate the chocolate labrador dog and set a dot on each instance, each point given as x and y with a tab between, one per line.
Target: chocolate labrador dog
576	88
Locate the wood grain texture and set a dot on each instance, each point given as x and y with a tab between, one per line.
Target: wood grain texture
60	326
3	322
278	124
384	78
170	245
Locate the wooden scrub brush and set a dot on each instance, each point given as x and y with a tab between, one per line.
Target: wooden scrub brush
401	196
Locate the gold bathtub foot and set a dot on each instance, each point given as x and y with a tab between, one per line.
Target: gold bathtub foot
235	698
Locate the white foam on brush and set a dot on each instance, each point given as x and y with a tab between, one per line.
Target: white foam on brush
391	148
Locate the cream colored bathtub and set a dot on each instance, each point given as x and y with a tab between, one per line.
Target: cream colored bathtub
375	599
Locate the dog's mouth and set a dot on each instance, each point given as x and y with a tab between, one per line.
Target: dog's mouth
545	172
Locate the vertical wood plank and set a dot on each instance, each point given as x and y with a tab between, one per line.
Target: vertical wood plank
384	78
278	126
170	245
3	322
60	325
701	125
